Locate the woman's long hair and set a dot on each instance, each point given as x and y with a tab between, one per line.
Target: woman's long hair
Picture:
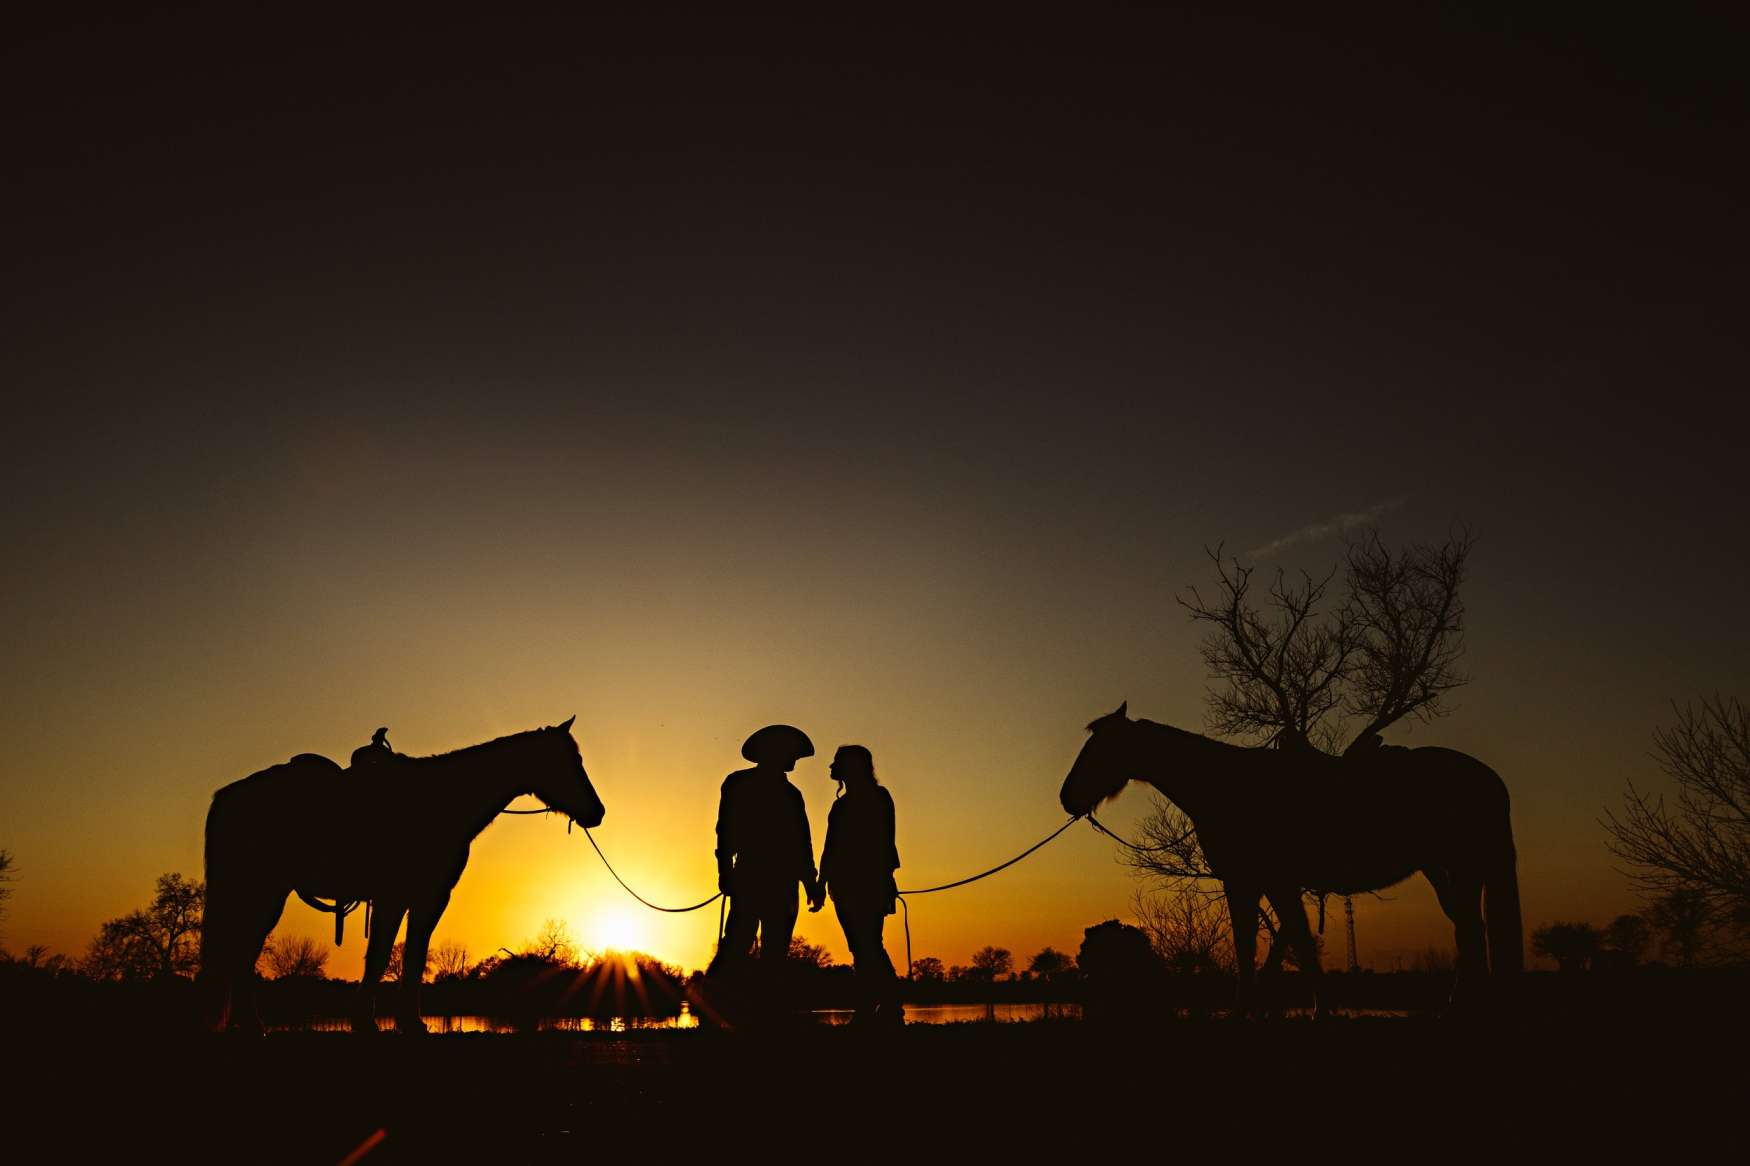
853	761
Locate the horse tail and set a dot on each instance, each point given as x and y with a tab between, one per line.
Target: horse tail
216	919
1501	908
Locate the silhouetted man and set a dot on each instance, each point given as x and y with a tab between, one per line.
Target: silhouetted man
764	853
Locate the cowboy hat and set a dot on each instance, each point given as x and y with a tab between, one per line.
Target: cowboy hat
776	744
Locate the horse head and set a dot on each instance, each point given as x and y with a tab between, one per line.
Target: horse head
1104	766
560	781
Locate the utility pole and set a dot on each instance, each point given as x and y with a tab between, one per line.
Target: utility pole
1349	910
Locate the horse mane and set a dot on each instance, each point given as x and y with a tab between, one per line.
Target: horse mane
455	754
1144	722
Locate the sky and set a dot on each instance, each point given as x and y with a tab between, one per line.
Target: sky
890	382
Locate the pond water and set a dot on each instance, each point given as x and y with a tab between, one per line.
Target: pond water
961	1013
914	1014
447	1024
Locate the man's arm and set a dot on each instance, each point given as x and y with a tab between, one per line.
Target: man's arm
810	878
817	900
892	834
725	839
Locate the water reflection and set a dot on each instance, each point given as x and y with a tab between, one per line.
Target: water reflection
456	1024
964	1013
914	1014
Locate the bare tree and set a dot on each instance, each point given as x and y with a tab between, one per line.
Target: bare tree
392	969
162	940
1683	918
1181	899
449	960
1698	845
1188	931
1278	670
292	956
1408	620
552	943
7	874
1306	666
811	954
1170	851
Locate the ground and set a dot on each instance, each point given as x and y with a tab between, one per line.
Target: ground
930	1093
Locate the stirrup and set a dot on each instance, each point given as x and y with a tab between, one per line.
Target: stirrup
340	910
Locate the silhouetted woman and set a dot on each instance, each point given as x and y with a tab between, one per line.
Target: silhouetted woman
856	868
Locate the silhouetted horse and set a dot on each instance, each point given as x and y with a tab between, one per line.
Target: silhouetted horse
395	833
1273	822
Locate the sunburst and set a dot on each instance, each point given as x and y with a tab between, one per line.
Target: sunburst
618	929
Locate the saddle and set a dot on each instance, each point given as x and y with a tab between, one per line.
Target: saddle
377	752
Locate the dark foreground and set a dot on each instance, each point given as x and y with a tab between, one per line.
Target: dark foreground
1358	1089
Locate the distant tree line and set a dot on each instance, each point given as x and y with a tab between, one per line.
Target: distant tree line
1677	923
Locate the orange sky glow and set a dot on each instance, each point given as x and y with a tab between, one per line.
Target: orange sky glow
892	395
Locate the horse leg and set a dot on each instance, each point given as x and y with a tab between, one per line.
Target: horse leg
1461	896
235	926
1291	914
263	917
421	922
385	922
1242	914
216	979
1273	956
1270	972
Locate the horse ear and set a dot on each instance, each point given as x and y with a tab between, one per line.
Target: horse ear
1121	709
566	727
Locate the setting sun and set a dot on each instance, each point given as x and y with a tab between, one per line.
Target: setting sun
615	929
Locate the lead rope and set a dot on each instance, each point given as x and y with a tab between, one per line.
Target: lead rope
905	914
654	907
1096	824
1129	845
641	898
898	894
